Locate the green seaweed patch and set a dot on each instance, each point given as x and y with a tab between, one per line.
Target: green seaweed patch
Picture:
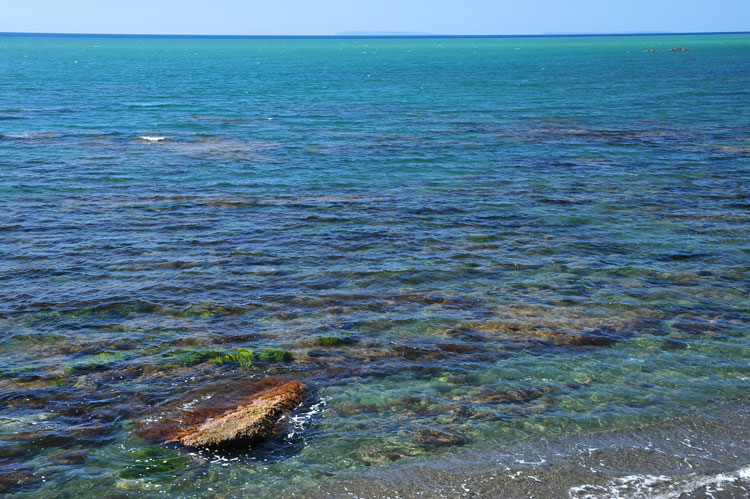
196	312
243	356
88	314
333	341
192	355
95	362
153	462
19	372
275	356
247	358
60	382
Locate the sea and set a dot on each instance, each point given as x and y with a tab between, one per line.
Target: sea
503	266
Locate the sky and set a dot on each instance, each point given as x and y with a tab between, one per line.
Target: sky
329	17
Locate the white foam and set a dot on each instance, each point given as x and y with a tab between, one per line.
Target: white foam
300	421
152	138
31	135
660	487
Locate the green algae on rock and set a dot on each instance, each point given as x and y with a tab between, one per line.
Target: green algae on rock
244	357
275	355
95	362
333	341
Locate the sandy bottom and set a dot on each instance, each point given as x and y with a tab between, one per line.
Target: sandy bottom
704	457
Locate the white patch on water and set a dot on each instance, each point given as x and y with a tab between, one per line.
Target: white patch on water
148	104
262	269
152	138
31	135
686	442
218	458
301	420
660	487
520	475
537	463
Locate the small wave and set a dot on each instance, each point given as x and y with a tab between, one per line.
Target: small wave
301	420
41	135
152	138
226	119
660	486
148	104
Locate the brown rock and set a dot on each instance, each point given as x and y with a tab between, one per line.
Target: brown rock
550	333
76	457
439	438
457	347
415	353
247	424
13	476
586	338
490	396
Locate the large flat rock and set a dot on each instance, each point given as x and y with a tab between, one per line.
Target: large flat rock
247	424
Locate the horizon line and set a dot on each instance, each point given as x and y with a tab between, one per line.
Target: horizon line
374	34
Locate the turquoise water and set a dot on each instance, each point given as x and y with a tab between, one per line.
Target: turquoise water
518	240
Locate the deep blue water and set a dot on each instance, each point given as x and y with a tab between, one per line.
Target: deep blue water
522	242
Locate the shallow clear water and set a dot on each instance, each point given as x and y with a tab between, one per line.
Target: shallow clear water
521	240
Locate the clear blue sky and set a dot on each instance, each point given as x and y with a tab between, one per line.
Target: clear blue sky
326	17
